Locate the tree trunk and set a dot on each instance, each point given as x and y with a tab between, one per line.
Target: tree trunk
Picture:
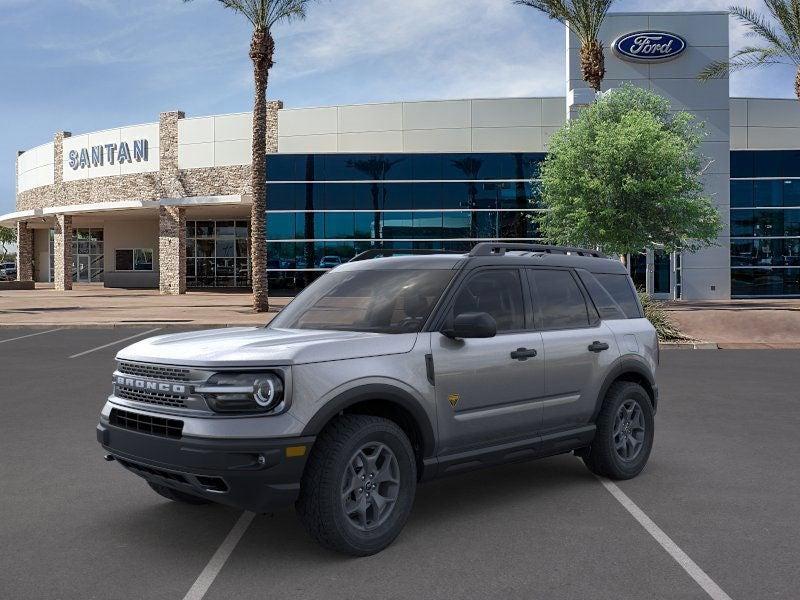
262	47
593	64
797	84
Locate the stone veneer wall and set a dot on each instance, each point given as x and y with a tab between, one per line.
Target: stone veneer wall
171	250
62	250
24	252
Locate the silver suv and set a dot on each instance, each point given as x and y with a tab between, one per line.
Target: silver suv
388	371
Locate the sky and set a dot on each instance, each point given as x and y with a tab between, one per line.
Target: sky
86	65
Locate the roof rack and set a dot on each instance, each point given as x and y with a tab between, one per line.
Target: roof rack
383	252
500	248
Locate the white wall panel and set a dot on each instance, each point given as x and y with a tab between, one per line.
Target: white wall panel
196	131
770	112
507	112
371	141
554	111
717	124
195	156
233	127
437	140
507	139
307	121
739	138
698	29
370	117
233	152
766	138
437	115
298	144
738	109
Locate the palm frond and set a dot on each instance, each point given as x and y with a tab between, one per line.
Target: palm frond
784	13
744	58
759	26
583	17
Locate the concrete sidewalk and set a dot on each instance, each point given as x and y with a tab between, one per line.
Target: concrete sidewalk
93	305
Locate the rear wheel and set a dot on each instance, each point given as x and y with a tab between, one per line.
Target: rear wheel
624	435
359	485
176	495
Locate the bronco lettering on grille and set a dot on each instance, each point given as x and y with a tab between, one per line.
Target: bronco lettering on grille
154	386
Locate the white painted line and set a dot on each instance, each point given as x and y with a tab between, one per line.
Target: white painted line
695	572
114	343
22	337
214	566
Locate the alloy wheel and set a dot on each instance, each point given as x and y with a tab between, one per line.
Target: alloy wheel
629	430
370	486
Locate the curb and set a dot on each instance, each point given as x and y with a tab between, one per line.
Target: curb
689	345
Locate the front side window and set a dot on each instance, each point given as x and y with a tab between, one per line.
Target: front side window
380	301
497	292
559	300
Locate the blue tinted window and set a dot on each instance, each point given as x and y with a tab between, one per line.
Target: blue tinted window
280	226
768	163
426	195
282	196
455	195
339	196
741	194
398	225
456	224
281	167
742	222
765	282
791	192
742	164
426	166
768	193
396	196
427	224
367	226
339	225
309	225
366	196
465	166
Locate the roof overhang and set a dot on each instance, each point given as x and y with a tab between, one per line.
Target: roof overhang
11	219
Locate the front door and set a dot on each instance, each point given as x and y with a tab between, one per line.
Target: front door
485	395
83	268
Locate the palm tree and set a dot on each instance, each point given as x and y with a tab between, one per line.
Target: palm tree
262	15
780	41
584	19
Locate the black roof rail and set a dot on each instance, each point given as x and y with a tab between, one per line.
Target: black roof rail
384	252
500	248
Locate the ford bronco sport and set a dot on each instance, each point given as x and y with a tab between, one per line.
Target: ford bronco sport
391	370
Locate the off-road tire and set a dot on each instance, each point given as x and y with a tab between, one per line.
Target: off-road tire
176	495
319	504
601	457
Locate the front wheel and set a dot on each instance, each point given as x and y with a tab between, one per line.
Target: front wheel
359	485
624	435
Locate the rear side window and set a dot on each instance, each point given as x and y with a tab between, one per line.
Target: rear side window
618	285
605	304
558	300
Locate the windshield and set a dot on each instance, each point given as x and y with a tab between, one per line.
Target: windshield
390	301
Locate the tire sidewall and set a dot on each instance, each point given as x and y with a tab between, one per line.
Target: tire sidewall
622	469
391	435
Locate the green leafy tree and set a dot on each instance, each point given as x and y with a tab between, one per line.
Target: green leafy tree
778	40
584	19
626	175
8	236
263	15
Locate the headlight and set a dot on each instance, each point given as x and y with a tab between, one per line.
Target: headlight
243	392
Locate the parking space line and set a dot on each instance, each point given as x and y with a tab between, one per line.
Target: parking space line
114	343
214	566
22	337
687	564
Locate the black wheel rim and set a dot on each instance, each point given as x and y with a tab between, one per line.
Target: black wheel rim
370	486
629	430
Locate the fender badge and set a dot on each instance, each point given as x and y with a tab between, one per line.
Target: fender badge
453	399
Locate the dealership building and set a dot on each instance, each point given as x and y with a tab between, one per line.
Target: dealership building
167	204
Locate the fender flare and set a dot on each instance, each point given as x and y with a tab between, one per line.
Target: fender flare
623	366
376	391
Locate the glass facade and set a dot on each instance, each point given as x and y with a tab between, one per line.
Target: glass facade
217	253
326	208
765	223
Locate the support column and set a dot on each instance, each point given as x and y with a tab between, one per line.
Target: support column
62	250
171	250
24	252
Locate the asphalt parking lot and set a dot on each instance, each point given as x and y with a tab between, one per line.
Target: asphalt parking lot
722	484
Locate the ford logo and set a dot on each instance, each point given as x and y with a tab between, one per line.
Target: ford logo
649	46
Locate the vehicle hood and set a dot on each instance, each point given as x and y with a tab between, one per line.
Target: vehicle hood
259	346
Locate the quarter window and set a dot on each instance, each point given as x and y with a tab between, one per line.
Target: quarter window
497	292
559	299
619	286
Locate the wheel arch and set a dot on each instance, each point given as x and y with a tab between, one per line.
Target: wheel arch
632	370
382	400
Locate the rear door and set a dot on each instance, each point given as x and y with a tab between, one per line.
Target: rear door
488	390
578	348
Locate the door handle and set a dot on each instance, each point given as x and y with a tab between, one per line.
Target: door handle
597	346
523	354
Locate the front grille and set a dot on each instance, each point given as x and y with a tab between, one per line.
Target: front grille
160	398
154	371
143	470
171	428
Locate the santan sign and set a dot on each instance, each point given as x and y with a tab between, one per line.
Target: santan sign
97	156
649	46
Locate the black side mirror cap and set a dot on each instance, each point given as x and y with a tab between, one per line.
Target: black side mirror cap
472	325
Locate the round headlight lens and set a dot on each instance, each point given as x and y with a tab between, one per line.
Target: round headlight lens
265	391
243	392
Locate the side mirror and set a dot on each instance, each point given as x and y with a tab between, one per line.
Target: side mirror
472	325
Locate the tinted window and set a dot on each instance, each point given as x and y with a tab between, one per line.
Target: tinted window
619	286
497	292
381	301
559	300
605	304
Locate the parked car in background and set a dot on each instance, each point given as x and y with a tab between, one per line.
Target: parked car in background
8	271
328	262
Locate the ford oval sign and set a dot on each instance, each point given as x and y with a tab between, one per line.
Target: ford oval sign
649	46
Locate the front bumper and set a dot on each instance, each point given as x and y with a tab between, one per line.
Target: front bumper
259	475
